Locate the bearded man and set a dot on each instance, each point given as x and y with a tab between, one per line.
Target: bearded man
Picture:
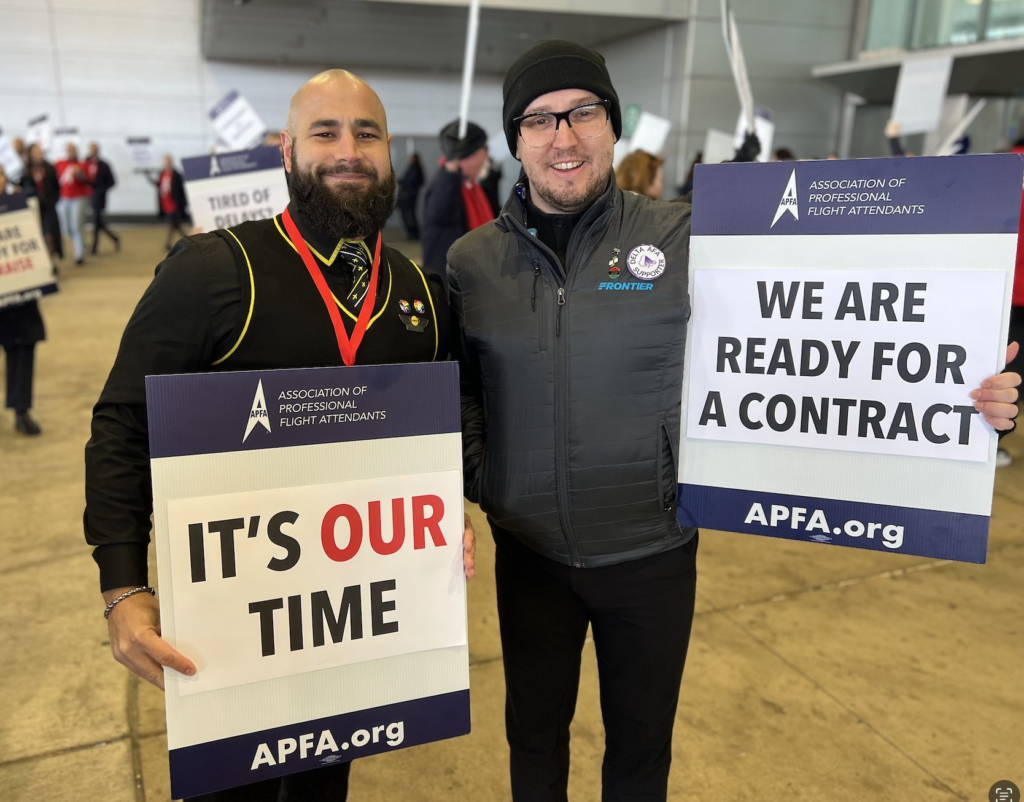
249	298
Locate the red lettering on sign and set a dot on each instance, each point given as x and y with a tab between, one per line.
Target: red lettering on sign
422	523
355	539
377	541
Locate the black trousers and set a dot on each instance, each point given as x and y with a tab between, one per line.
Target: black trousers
100	224
641	613
328	784
20	367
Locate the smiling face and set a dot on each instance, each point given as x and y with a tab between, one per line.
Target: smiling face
337	156
568	175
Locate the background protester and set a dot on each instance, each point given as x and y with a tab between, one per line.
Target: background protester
21	327
40	181
101	176
490	180
455	203
409	186
783	155
640	172
687	186
171	199
74	195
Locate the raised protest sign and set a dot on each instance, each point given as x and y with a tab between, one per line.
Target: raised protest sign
842	312
37	131
309	545
26	272
236	122
62	137
225	189
143	154
9	158
920	92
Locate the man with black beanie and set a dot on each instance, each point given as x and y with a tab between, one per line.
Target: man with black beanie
571	312
454	203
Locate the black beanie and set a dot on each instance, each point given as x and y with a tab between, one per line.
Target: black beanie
549	66
454	148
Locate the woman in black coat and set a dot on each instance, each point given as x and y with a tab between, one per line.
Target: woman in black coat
40	181
21	327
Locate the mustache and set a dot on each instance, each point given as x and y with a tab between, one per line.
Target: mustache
354	167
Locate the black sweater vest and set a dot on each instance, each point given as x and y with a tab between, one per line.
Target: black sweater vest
288	326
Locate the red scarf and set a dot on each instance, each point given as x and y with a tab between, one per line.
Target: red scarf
478	209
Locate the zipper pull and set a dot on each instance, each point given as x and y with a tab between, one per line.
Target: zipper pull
533	295
558	317
561	296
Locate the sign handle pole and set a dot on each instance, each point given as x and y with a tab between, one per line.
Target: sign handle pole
467	65
946	148
731	36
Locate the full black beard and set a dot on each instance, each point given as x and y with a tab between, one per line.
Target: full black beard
342	213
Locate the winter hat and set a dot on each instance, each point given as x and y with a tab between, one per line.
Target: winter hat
549	66
454	148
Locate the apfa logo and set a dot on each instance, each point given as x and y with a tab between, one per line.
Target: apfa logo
258	414
788	202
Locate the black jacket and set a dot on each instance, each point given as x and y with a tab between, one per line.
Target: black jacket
444	219
102	184
571	381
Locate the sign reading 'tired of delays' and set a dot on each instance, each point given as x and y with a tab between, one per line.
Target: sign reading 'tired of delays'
842	314
309	544
226	189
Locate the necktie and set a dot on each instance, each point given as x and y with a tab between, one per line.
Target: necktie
354	255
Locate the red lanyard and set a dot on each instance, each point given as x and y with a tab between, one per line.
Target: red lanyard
347	348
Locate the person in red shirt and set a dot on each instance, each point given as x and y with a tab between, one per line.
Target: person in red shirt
74	196
171	198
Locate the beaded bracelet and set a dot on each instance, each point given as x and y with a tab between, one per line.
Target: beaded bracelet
125	595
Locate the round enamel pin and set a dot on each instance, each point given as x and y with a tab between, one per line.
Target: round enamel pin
646	262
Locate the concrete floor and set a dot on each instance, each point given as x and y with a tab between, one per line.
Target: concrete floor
815	672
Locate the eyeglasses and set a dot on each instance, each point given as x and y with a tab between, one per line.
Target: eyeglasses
539	129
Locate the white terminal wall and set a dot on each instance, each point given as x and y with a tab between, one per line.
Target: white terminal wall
120	68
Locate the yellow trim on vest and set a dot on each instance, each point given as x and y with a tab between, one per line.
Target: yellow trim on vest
335	297
252	301
317	254
433	311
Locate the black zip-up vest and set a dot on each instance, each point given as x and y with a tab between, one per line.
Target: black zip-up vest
288	326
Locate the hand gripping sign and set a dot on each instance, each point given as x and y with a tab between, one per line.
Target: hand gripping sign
843	312
310	565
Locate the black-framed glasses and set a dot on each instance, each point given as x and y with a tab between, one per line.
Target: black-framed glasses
538	130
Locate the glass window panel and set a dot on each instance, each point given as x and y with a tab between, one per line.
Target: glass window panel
1005	19
946	22
889	24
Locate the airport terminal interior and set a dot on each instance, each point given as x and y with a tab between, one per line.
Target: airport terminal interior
814	671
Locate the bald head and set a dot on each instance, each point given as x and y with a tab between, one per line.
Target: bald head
327	95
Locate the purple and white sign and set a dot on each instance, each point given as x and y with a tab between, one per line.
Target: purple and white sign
225	189
843	311
26	272
236	122
309	544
